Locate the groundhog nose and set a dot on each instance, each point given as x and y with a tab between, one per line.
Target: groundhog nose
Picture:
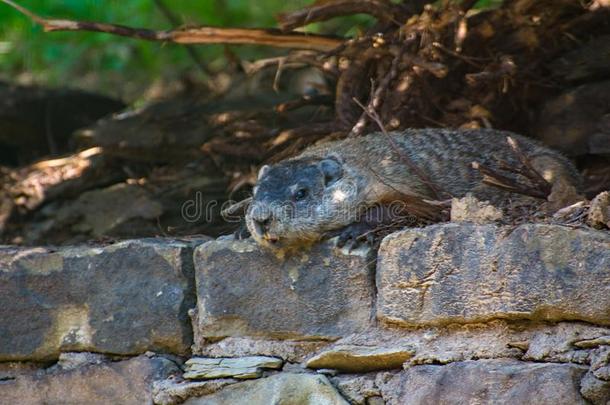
263	224
261	218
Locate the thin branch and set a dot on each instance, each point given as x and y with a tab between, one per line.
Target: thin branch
405	159
236	210
377	95
540	188
175	21
531	172
383	11
496	179
194	35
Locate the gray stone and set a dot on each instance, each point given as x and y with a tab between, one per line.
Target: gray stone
72	360
331	372
486	382
125	382
280	389
173	391
560	343
289	350
239	368
125	298
595	390
95	214
528	340
357	388
12	370
242	290
466	273
600	362
360	359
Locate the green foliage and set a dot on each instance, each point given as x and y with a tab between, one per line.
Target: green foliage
97	61
488	3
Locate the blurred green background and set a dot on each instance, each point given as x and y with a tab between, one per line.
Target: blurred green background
124	67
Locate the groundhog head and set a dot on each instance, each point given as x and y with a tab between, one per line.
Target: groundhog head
296	201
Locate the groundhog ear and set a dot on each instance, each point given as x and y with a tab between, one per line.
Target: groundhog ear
332	169
263	170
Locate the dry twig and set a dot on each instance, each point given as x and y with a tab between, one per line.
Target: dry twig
377	94
405	159
384	11
540	188
191	35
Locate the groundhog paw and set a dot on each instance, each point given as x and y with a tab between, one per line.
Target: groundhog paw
242	232
356	234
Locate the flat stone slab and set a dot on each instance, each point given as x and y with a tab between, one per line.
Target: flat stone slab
294	351
501	381
245	291
456	273
590	343
239	367
126	298
283	388
124	382
360	359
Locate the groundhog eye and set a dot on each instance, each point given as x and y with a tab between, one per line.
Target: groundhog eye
300	194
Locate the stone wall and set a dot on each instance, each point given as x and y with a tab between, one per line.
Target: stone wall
447	314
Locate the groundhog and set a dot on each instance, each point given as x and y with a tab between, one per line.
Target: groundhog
327	187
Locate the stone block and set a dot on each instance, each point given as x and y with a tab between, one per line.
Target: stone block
124	382
245	291
126	298
283	388
501	381
467	273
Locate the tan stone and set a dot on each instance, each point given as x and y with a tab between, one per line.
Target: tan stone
599	212
125	298
466	274
322	293
591	343
360	359
469	209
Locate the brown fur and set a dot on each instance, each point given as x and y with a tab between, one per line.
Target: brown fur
374	172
